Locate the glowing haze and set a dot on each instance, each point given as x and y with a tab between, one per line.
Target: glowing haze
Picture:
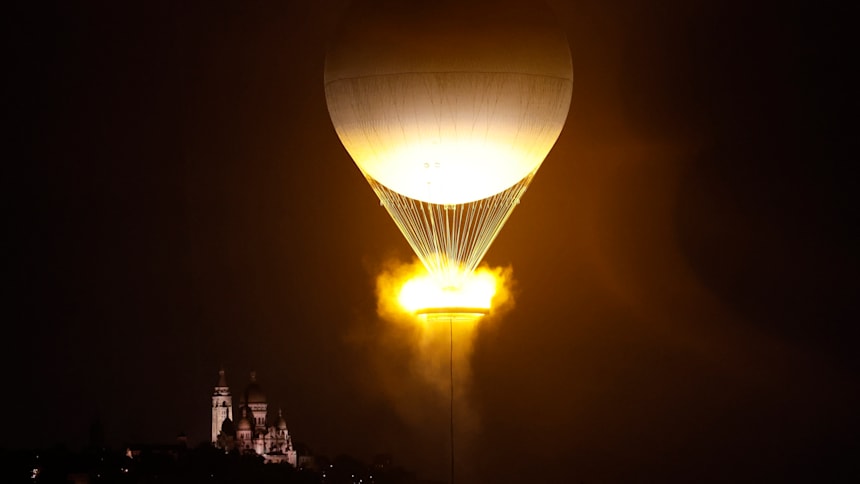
406	289
420	391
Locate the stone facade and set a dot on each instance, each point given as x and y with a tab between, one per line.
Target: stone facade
253	432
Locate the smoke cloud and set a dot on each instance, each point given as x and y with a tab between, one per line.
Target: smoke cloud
422	366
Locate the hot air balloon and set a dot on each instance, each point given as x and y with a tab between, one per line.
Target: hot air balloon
448	109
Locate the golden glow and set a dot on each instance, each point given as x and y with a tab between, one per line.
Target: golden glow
423	294
422	345
407	294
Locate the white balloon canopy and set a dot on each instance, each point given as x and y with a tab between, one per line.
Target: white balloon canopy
449	108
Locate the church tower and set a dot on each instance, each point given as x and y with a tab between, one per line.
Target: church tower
222	405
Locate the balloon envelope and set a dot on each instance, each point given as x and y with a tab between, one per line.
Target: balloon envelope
448	102
449	108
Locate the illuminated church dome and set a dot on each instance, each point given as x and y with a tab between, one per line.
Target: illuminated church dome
253	392
245	422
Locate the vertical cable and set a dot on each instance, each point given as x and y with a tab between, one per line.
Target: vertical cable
451	367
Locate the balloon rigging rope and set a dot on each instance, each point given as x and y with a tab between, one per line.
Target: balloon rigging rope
451	240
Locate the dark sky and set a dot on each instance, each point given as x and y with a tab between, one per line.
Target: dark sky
685	260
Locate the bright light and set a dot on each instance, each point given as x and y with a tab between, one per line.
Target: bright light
453	169
423	295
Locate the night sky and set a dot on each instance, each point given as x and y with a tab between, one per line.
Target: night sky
684	261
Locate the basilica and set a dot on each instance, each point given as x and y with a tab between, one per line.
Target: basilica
253	432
